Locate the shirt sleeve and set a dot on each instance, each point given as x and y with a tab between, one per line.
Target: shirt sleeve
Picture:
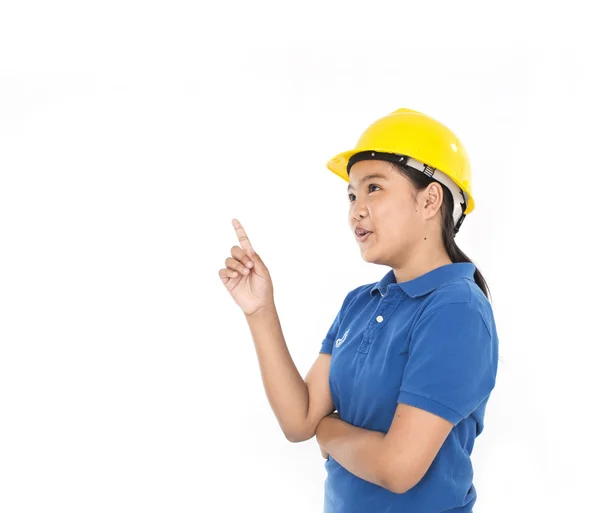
452	362
327	343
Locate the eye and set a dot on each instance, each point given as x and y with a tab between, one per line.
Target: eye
370	185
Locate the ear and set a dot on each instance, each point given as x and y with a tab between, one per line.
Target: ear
434	196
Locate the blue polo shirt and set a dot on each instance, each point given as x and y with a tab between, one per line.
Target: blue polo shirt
430	342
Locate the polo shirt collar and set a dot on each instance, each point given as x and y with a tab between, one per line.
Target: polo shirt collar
427	282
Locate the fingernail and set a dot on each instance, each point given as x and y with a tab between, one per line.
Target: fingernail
249	264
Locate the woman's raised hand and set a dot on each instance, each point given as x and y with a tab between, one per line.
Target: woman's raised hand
245	275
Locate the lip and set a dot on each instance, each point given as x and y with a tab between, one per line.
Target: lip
363	238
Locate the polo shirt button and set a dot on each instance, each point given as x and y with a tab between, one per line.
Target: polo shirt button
379	318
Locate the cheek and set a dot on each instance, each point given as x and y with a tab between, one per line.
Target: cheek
396	218
400	227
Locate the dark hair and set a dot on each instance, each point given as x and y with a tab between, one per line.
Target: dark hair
420	181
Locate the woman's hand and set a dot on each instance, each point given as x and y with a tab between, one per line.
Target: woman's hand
324	453
250	286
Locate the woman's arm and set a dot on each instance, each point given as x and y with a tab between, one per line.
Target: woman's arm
360	451
299	405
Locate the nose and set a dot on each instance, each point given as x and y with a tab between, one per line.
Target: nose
358	213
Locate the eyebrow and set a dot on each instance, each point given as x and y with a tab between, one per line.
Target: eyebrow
368	177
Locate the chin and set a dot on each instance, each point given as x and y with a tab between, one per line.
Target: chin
367	258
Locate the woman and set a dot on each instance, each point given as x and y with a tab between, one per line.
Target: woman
409	362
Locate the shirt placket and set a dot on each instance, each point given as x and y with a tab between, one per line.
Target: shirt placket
385	308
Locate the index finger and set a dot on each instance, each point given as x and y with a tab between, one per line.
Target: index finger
243	238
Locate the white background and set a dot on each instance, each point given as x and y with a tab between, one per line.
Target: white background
132	133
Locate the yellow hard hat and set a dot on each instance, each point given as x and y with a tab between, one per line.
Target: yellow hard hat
415	140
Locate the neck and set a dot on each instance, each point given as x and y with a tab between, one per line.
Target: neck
420	264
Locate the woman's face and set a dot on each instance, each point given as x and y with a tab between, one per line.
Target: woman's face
385	206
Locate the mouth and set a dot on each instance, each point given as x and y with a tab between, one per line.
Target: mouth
363	236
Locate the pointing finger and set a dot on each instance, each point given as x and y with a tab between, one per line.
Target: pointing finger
242	237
